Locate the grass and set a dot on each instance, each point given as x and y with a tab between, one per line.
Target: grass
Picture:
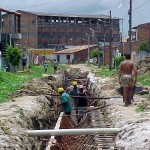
144	80
10	82
140	107
104	71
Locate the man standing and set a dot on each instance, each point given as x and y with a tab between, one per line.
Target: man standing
45	66
72	93
55	65
126	78
65	101
83	103
24	62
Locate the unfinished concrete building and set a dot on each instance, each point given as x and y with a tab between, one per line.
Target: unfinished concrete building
47	30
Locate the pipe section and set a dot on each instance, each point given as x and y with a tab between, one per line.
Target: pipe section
60	132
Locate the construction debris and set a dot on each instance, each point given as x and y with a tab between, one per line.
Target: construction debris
144	66
76	73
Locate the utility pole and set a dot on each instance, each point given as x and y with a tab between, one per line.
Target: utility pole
88	48
122	35
110	43
149	40
130	27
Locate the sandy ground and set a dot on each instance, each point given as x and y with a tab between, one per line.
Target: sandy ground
135	127
116	102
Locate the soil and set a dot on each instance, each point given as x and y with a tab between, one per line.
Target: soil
135	127
33	102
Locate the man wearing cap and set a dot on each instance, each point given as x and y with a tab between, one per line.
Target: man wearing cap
74	92
82	103
65	101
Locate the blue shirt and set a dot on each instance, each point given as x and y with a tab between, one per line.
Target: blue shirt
65	98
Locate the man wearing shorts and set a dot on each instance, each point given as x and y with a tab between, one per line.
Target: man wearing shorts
126	78
55	65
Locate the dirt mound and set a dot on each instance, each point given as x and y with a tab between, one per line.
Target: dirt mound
144	66
76	73
29	108
41	86
17	117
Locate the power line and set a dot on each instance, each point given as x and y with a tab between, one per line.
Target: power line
141	5
57	2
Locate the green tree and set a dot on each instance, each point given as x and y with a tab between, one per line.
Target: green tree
96	52
143	46
13	56
119	59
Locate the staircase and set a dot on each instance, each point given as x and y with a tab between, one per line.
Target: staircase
3	47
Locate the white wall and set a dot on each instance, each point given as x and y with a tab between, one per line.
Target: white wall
51	56
63	57
139	55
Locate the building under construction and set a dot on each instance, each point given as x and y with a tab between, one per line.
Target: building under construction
55	31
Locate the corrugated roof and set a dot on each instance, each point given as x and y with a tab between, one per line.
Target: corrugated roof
70	15
73	50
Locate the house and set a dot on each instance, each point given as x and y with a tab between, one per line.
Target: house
141	34
78	53
9	32
41	30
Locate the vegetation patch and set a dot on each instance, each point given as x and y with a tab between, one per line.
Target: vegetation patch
20	112
105	71
10	82
140	107
144	80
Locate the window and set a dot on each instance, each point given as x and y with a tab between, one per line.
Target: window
67	57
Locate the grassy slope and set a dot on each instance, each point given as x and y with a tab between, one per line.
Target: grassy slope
10	82
142	79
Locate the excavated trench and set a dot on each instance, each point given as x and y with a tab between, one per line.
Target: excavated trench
34	107
96	116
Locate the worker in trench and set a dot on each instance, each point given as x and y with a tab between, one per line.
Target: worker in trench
82	102
65	101
126	79
73	92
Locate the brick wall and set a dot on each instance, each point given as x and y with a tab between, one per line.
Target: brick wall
143	31
143	34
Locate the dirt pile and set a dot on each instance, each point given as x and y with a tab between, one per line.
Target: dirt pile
41	86
76	73
144	66
29	108
17	117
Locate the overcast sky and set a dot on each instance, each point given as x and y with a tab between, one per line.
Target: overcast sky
119	8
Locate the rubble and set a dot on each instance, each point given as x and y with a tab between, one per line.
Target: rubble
76	73
144	66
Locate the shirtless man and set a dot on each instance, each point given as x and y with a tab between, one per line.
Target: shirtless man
126	79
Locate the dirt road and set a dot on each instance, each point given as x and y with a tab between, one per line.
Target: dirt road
135	126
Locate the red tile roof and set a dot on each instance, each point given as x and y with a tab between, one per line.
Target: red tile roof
73	49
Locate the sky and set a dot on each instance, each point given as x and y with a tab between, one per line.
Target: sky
119	8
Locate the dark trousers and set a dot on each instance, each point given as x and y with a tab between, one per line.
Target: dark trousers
68	113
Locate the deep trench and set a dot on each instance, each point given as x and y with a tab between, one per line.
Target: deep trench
50	122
